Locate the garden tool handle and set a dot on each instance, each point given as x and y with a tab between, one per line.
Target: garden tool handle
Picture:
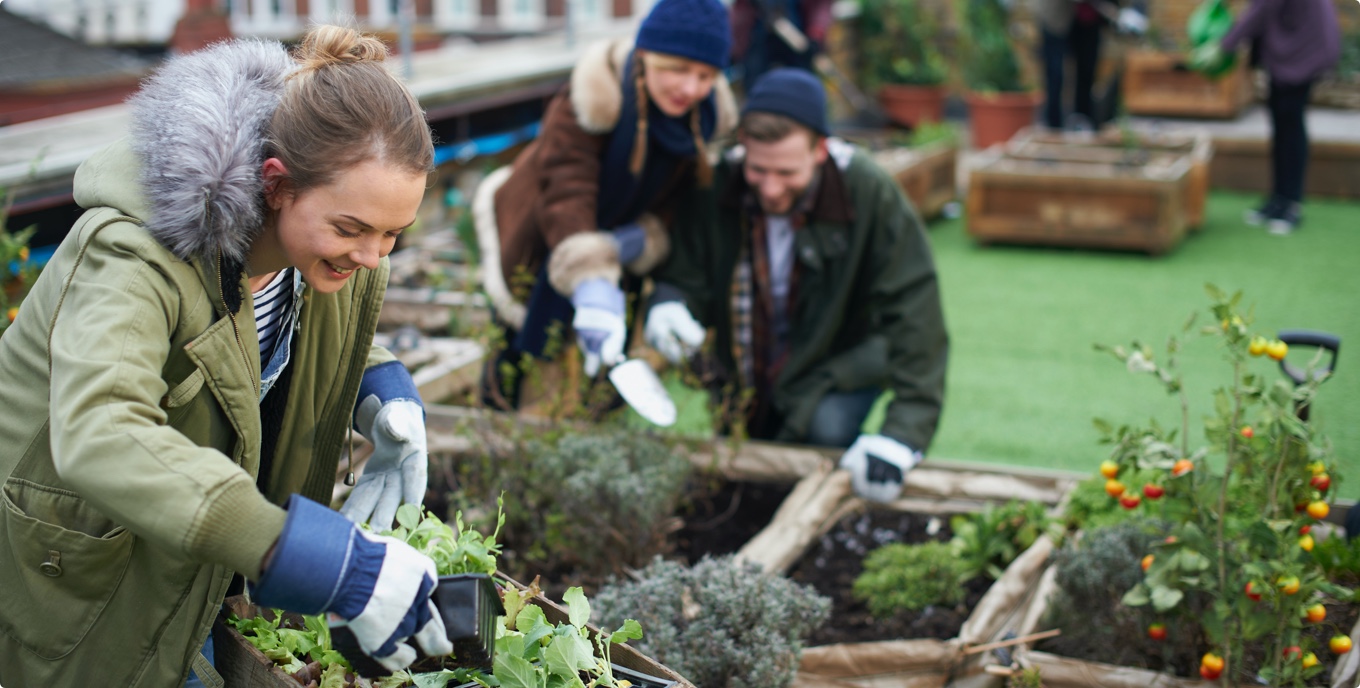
1321	340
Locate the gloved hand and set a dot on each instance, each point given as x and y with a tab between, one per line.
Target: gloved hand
631	240
599	326
1206	58
878	466
324	563
672	331
1132	21
390	415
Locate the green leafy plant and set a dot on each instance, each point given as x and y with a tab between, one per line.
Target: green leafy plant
454	549
911	577
901	577
895	45
17	272
292	641
719	623
927	133
1237	563
990	62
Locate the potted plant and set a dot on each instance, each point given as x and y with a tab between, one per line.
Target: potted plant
1000	103
898	59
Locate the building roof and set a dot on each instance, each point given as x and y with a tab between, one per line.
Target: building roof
32	54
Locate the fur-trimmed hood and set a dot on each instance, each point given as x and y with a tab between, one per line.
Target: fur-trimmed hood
597	89
198	134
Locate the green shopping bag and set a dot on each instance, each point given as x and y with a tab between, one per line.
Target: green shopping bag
1207	26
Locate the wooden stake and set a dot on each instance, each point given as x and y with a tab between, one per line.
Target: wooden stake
1013	641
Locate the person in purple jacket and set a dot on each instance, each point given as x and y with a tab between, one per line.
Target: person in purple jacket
1298	41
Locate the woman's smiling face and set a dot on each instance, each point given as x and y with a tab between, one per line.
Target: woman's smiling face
327	232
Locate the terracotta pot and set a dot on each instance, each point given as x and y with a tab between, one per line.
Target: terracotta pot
996	117
909	105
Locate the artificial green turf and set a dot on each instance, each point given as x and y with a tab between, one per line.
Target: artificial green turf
1024	382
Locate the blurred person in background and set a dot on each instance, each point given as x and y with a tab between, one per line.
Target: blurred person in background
1075	28
582	214
1295	42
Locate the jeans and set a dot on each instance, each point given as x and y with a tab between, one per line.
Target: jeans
1083	42
1289	142
207	651
838	417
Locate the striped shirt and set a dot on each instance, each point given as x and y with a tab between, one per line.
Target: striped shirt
271	307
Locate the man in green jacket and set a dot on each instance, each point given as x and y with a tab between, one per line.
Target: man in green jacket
815	273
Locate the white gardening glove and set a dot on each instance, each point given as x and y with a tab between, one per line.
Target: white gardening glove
381	586
1132	21
398	470
600	329
672	331
878	466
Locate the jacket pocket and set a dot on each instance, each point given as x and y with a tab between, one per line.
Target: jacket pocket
61	561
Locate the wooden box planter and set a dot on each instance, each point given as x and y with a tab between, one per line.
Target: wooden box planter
1108	146
1157	84
242	666
1244	165
927	175
1080	204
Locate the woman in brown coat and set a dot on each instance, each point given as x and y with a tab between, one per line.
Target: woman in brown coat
589	197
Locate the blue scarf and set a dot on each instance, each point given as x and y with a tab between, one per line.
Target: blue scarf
623	196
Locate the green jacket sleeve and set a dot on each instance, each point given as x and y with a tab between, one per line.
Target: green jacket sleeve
110	440
688	273
905	309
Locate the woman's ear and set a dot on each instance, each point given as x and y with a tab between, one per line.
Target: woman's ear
275	176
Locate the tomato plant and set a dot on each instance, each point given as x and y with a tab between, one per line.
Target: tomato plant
1237	561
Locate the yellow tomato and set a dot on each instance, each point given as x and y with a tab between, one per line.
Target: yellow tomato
1257	346
1288	584
1109	469
1212	662
1339	644
1182	467
1309	660
1316	613
1306	542
12	313
1114	488
1318	509
1277	350
1147	561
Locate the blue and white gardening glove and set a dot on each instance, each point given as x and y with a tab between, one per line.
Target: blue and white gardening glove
1131	21
672	331
381	586
878	466
631	240
389	413
599	326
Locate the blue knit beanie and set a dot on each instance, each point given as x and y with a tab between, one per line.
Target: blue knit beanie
693	29
793	93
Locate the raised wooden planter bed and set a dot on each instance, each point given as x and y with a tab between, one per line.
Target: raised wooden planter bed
1157	84
927	175
1105	205
1244	165
1109	146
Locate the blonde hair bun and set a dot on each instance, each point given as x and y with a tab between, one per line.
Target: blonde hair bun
327	45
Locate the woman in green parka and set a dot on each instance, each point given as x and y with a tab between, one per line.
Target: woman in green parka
179	382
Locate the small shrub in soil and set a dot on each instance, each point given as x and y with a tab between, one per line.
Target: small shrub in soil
834	563
1092	574
719	623
911	577
581	505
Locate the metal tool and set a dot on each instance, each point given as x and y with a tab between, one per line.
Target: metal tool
639	386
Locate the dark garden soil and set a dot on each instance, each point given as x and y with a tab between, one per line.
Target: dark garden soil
1341	618
720	519
834	563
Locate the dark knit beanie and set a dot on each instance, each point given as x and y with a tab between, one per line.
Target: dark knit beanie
793	93
693	29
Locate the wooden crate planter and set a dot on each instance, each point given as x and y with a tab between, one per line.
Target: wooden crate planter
927	175
1244	165
1109	146
1157	84
1080	204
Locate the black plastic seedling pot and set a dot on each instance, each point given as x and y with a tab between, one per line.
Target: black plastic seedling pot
468	603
